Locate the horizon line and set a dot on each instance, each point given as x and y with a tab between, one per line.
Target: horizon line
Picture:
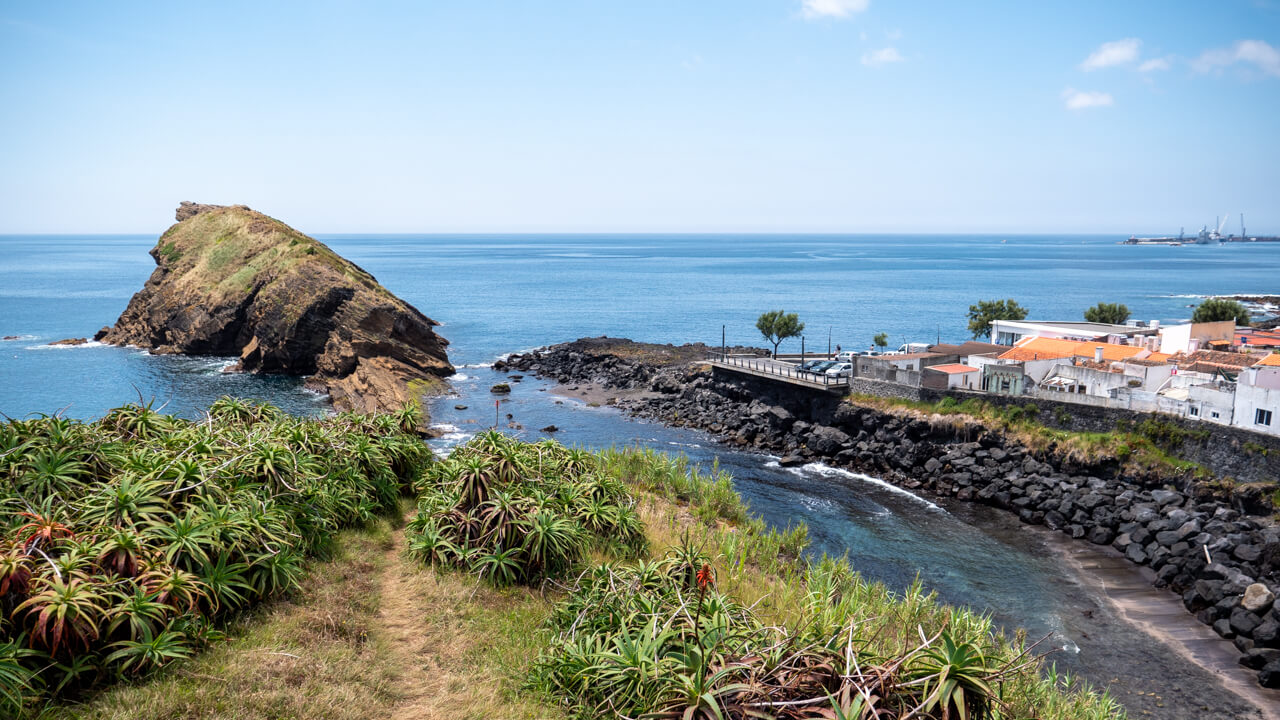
633	233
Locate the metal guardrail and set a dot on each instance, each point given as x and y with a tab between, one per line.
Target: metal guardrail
786	371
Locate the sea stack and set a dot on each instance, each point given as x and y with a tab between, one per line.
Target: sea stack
230	281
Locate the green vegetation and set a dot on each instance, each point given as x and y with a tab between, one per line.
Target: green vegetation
778	325
170	252
1109	313
728	620
1218	309
661	639
985	312
127	541
1146	447
637	585
881	340
514	512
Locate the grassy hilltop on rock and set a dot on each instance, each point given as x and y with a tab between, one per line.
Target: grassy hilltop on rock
233	281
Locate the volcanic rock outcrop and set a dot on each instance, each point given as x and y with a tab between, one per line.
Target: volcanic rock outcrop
232	281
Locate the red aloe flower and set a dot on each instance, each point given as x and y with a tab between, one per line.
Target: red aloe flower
705	577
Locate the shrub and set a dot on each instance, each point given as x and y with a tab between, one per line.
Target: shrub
516	512
661	639
126	540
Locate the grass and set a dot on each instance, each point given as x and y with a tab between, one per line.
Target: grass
128	544
373	634
1148	447
311	657
370	636
697	513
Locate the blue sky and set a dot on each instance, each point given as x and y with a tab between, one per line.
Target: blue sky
706	116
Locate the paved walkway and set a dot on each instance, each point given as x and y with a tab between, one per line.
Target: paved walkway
781	371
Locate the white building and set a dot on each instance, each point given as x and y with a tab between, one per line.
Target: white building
951	376
1009	332
1192	337
1257	400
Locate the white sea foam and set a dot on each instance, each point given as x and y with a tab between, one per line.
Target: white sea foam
221	365
507	356
477	365
19	338
90	344
458	377
316	394
828	471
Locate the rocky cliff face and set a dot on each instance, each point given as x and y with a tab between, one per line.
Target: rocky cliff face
232	281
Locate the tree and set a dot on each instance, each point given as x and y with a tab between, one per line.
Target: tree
986	311
881	340
778	325
1109	313
1217	309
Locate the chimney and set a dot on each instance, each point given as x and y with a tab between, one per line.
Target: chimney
1097	354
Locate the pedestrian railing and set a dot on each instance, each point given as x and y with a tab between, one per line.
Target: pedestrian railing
774	368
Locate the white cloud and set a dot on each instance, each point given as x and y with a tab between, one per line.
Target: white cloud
1119	52
1155	64
894	35
1081	99
1255	52
876	58
813	9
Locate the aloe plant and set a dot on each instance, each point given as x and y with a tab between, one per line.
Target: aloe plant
125	542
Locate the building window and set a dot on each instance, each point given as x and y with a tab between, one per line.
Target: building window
1214	414
1261	417
1195	411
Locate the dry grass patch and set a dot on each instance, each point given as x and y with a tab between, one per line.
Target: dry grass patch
313	657
371	635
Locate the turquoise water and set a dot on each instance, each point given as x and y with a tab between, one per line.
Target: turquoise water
498	294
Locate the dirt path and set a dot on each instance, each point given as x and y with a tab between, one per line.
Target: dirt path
445	638
402	625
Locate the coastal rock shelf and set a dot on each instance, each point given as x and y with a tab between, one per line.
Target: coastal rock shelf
232	281
1223	562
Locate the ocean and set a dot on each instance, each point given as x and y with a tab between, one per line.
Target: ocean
496	294
501	293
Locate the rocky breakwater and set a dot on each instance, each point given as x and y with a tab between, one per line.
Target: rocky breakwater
1222	557
230	281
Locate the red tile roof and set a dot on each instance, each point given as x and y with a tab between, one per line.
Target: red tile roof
1211	360
1038	348
952	368
1272	360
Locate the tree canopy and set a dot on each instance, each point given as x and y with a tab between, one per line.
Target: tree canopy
778	325
881	339
1217	309
1109	313
985	312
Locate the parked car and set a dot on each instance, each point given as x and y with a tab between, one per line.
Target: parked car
839	369
821	367
846	356
811	364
